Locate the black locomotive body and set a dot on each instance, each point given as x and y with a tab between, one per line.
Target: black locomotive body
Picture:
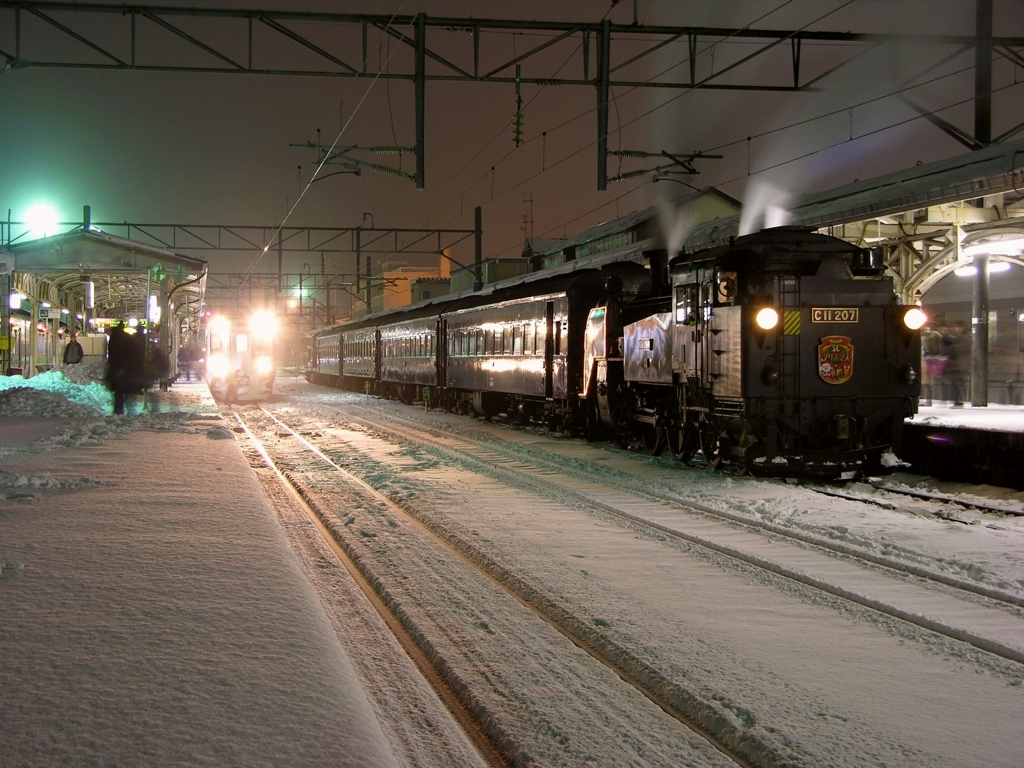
683	354
784	352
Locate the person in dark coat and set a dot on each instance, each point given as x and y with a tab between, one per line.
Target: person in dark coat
158	366
124	365
73	352
956	346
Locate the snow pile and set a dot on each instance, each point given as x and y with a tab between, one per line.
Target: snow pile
52	394
23	401
84	373
18	487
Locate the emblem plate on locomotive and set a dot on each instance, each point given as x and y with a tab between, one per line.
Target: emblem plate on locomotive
835	359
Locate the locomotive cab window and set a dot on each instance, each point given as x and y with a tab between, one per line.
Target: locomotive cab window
686	304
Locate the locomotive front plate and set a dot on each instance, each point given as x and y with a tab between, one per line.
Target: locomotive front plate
835	315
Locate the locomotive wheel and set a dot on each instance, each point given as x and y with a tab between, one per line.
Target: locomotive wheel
682	442
713	445
653	438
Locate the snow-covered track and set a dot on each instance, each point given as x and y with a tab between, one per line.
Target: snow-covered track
477	731
741	747
940	499
985	617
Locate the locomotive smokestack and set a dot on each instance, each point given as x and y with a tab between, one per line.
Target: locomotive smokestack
658	262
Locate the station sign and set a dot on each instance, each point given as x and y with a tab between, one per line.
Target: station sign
835	315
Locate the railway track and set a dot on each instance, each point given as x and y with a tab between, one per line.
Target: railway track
407	441
481	737
495	743
937	498
630	500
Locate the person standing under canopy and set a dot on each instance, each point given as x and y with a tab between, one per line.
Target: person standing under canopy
73	352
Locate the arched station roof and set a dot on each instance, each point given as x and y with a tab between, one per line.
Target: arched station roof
924	217
58	271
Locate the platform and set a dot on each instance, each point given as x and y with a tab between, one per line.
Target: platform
971	445
153	613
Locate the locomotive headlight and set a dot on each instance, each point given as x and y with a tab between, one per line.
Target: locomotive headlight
766	318
914	319
219	325
263	325
264	365
218	366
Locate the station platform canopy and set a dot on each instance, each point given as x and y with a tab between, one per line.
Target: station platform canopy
927	219
75	280
98	253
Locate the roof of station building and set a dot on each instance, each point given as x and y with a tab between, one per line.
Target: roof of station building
995	169
91	251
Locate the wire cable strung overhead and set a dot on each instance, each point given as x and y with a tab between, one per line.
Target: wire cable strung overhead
323	161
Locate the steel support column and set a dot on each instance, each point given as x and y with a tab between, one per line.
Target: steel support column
603	67
421	89
983	73
368	287
478	268
979	333
359	257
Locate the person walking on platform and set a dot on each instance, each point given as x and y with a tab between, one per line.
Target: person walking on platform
125	375
956	348
73	352
933	365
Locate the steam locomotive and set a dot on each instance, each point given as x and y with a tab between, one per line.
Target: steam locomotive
781	353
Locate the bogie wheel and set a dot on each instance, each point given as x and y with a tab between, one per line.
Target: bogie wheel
653	438
713	444
682	442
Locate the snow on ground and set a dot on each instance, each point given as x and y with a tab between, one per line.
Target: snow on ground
151	611
843	685
138	626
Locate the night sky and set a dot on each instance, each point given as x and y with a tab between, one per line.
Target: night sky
214	149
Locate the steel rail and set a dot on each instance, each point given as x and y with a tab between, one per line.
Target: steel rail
898	568
437	678
685	706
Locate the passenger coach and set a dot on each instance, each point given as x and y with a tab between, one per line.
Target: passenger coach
784	352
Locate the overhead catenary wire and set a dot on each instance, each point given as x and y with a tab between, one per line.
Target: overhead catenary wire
591	110
323	161
911	85
591	144
768	168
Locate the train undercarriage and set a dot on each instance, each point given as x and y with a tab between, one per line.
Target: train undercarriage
683	421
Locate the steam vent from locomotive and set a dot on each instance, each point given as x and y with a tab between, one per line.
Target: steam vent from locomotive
785	352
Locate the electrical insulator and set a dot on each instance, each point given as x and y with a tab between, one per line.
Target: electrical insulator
517	118
388	150
629	175
637	154
387	170
517	128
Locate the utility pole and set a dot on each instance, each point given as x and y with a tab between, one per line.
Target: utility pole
603	74
478	265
